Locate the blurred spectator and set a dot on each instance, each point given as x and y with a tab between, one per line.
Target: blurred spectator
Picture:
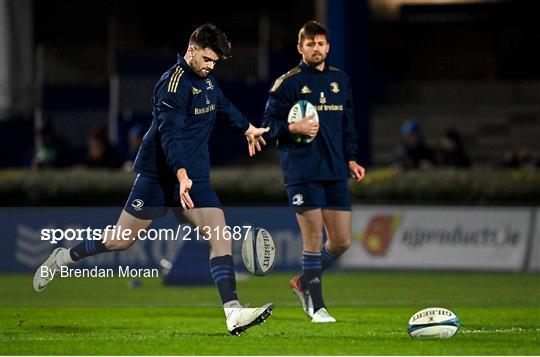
134	139
100	151
520	158
135	136
52	151
451	151
413	152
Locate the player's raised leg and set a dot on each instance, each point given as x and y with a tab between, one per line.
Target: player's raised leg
212	220
64	257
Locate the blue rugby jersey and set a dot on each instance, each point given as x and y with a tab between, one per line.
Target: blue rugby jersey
326	157
185	107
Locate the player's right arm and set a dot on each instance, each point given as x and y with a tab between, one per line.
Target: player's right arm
304	126
172	107
281	99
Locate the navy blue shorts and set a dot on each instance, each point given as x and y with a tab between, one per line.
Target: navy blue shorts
151	198
319	194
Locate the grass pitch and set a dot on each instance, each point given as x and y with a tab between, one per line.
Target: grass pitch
500	315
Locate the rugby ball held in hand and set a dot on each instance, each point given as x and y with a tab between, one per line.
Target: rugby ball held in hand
258	251
433	322
298	111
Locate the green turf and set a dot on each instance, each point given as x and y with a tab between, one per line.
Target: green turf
500	315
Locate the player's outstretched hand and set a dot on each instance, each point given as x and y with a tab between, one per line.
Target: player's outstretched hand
185	186
255	138
357	171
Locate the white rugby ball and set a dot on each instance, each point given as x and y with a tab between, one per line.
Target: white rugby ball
433	322
258	251
299	110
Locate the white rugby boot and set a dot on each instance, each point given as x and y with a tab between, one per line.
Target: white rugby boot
46	271
240	319
322	316
303	295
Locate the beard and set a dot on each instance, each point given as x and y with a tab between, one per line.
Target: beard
316	60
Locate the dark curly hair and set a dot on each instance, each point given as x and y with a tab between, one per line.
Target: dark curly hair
209	36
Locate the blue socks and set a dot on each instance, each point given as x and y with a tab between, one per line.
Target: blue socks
222	269
87	248
327	260
312	269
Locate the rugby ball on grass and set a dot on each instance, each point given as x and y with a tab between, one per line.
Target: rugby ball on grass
258	251
433	322
298	111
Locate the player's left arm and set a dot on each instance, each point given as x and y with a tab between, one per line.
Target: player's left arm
350	138
227	112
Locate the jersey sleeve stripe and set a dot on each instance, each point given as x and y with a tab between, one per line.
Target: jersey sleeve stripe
175	86
280	80
175	78
172	78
